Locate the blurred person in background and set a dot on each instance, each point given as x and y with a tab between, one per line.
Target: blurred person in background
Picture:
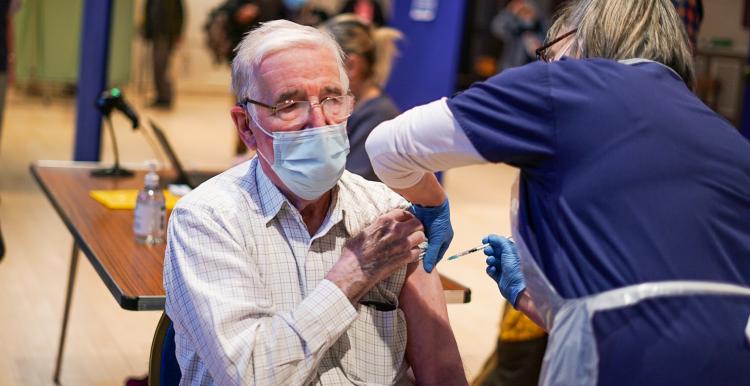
7	8
225	27
518	355
370	11
691	12
305	12
164	20
247	15
521	28
369	58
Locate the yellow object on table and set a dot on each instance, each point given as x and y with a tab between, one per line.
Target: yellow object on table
125	198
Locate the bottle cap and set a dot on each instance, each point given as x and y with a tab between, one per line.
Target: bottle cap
152	178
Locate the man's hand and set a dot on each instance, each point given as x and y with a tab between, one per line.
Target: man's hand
377	251
437	225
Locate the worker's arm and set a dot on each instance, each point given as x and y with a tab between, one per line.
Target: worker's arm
504	267
407	150
526	305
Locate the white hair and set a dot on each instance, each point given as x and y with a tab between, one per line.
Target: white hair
272	37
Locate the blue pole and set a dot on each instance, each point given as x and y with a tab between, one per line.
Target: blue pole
92	77
427	67
745	117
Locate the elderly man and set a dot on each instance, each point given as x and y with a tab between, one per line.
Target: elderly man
288	270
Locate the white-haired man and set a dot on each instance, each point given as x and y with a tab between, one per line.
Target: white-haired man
288	270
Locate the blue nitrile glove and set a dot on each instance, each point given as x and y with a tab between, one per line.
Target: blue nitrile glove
504	266
437	227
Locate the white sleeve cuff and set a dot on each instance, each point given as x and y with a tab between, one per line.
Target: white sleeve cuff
324	315
422	140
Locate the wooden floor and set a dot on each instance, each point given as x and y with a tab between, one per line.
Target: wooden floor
106	344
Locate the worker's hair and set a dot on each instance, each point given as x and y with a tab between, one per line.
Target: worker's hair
272	37
625	29
377	46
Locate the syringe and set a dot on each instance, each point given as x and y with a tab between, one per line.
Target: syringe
472	250
468	251
457	255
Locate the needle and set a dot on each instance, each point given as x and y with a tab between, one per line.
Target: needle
472	250
457	255
468	251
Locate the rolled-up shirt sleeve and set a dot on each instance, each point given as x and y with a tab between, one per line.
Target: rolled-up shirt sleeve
426	138
217	299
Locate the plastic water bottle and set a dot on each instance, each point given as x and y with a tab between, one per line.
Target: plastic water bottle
150	211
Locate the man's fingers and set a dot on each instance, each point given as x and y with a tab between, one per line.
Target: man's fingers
409	226
416	253
400	215
416	239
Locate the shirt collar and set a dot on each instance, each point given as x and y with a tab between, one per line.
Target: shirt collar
272	201
270	197
345	207
634	61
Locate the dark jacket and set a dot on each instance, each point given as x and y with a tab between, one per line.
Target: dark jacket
163	18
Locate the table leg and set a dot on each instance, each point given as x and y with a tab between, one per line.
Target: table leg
66	312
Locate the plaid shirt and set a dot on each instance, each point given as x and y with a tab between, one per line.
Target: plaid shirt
691	12
246	290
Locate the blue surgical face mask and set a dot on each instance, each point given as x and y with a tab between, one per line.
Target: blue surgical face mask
311	161
294	4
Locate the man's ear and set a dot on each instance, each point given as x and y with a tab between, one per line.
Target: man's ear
241	122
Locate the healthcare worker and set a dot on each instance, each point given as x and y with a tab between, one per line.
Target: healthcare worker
633	214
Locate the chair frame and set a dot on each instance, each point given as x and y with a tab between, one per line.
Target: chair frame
154	362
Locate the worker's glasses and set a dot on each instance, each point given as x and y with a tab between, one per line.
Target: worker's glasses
335	109
542	53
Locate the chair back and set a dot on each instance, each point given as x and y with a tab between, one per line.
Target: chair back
163	369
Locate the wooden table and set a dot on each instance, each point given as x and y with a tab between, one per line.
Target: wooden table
131	271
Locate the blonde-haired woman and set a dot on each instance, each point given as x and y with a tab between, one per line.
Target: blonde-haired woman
369	56
631	219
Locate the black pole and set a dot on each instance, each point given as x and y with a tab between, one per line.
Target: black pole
114	171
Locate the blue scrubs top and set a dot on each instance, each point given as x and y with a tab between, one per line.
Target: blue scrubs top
627	178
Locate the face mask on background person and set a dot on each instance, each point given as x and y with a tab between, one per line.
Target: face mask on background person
294	5
310	161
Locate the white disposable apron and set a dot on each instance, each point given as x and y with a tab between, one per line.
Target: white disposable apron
571	357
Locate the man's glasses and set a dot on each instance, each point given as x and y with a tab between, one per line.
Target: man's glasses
542	53
335	109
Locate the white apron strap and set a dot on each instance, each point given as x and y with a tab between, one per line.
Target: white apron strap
571	357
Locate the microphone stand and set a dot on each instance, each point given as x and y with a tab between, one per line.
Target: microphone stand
115	171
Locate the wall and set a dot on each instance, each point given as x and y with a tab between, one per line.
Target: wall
47	36
723	19
723	67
